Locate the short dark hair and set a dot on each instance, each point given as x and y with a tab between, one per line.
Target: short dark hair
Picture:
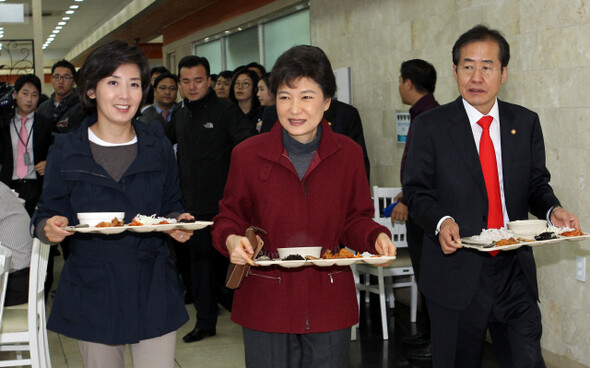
149	97
254	76
482	33
27	78
64	64
159	69
257	66
227	74
103	62
163	76
421	73
304	61
191	61
266	79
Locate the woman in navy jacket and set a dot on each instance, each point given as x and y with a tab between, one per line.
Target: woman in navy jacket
115	289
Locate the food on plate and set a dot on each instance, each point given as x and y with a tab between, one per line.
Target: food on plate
572	233
546	236
311	258
343	253
293	257
504	242
263	258
140	220
493	235
114	222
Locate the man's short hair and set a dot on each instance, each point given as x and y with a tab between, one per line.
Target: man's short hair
257	66
159	69
191	61
64	64
162	76
227	74
27	78
421	73
482	33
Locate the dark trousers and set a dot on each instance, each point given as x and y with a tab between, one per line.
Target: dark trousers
283	350
17	289
30	191
503	302
414	236
182	260
208	271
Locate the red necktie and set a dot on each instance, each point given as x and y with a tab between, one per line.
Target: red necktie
487	158
21	166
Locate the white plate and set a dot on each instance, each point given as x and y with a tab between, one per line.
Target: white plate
323	262
377	260
346	261
267	262
292	264
197	225
467	243
148	228
97	230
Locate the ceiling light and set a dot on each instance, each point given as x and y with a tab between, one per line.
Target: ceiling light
78	1
1	28
62	23
65	18
70	12
55	31
58	27
74	6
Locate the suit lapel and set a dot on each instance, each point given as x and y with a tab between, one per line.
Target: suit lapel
507	135
461	135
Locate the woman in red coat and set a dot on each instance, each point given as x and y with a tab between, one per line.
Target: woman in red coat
306	186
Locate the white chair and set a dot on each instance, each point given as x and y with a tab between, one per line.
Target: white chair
5	260
397	275
23	326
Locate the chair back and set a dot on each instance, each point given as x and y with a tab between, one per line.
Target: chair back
5	260
383	197
37	275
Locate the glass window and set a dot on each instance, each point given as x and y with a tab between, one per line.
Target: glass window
283	33
241	48
212	51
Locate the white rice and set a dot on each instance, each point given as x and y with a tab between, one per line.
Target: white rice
490	235
153	220
558	230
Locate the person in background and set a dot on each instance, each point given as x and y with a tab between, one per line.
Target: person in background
164	106
264	93
416	87
121	289
223	83
206	129
303	184
25	143
258	68
243	91
63	107
477	163
156	71
213	80
16	236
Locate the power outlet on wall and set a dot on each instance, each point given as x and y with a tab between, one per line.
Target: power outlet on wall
581	268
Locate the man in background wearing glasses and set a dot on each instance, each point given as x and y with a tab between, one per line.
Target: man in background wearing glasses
63	107
477	163
165	92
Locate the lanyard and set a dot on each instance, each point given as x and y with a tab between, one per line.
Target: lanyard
18	134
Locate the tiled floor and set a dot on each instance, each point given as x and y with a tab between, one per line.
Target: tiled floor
226	349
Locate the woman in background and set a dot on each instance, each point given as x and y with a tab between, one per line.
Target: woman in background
264	94
306	186
243	92
115	289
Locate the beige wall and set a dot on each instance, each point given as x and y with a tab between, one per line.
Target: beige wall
549	73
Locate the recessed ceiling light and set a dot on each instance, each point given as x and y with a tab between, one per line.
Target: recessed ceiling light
58	27
74	6
55	31
1	28
78	1
70	12
65	18
62	23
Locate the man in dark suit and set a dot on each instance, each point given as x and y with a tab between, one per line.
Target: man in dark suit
468	291
343	119
24	149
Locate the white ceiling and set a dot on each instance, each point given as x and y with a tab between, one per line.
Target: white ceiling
90	15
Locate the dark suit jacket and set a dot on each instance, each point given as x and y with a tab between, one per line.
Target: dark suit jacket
343	119
150	115
42	139
444	177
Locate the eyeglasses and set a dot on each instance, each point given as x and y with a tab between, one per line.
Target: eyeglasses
62	77
242	85
486	70
170	88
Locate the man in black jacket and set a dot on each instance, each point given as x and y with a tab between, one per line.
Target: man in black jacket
63	107
206	130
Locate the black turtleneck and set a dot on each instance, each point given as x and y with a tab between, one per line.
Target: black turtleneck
299	153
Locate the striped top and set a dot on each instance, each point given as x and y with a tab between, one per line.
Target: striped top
14	229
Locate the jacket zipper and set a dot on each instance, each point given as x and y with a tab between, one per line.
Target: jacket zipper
266	277
332	278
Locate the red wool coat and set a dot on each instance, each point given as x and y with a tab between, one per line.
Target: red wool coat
332	205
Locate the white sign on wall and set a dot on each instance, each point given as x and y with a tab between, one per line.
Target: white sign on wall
402	120
12	13
343	84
